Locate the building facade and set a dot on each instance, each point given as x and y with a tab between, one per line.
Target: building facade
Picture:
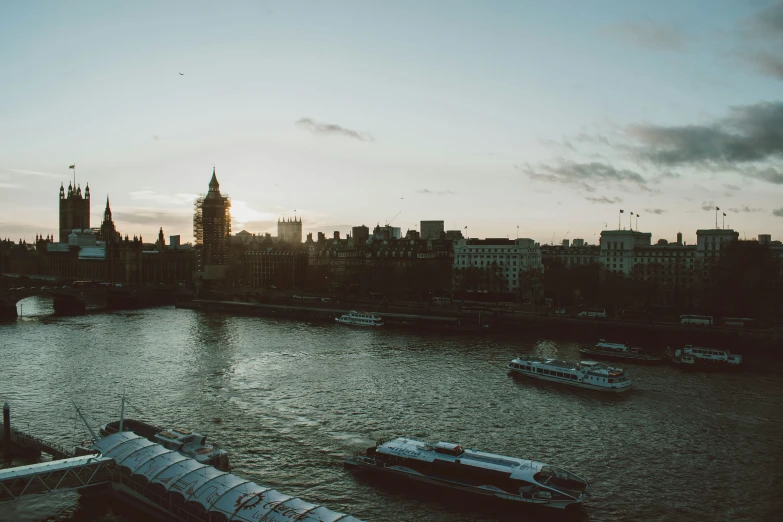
212	230
495	264
74	210
279	268
570	254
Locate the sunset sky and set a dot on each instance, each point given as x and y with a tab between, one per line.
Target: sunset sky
487	114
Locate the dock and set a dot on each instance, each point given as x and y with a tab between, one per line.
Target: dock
146	473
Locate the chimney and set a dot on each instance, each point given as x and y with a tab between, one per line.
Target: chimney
337	234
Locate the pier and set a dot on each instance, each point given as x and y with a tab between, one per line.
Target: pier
146	473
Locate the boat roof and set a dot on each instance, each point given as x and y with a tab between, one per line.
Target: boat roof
523	469
216	491
532	359
177	434
591	366
611	345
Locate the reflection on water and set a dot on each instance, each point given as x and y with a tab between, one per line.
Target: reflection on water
289	400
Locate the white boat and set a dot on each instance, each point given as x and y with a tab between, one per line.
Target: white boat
607	350
706	357
586	374
469	471
360	319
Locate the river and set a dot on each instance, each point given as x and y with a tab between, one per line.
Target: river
289	400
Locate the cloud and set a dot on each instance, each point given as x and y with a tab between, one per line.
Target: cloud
165	199
761	40
27	172
749	134
658	211
584	176
708	205
767	23
317	127
604	200
157	218
778	212
436	192
768	174
745	209
731	187
649	34
8	185
767	63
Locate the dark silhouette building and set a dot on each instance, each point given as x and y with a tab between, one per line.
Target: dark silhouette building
74	210
212	227
289	231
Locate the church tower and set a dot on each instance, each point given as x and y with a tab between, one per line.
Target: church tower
108	230
74	210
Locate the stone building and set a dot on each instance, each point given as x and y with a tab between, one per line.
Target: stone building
74	210
495	264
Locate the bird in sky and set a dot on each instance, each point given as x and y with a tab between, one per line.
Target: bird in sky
182	74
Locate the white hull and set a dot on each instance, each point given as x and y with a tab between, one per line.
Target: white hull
577	384
406	473
353	323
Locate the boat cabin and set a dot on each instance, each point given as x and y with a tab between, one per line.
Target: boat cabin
447	448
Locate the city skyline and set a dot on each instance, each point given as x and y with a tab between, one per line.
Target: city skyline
542	119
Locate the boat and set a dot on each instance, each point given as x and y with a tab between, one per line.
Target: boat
464	470
705	358
607	350
186	442
586	374
360	319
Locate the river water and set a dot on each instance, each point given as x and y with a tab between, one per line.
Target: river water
290	399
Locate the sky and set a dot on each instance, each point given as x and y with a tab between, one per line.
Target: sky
547	116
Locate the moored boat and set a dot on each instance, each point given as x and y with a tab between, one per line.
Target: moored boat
586	374
186	442
360	319
469	471
620	351
706	358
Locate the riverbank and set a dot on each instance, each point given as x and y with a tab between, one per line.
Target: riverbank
652	335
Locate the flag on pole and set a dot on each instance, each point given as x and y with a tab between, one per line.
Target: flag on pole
72	166
621	211
466	228
724	214
717	208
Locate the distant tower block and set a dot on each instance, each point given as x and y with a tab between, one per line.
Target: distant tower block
431	229
679	238
289	230
74	210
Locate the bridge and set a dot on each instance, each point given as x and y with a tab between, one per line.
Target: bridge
67	300
70	300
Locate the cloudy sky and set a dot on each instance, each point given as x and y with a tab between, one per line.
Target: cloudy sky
550	116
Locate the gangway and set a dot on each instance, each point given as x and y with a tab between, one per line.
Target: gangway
54	477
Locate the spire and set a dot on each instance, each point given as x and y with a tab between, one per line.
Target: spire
214	186
107	212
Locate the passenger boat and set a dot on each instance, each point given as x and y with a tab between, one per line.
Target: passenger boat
586	374
360	319
706	358
451	466
184	441
606	350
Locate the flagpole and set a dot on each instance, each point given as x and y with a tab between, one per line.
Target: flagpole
630	221
619	215
716	216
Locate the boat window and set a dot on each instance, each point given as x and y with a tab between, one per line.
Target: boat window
611	380
559	374
539	370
